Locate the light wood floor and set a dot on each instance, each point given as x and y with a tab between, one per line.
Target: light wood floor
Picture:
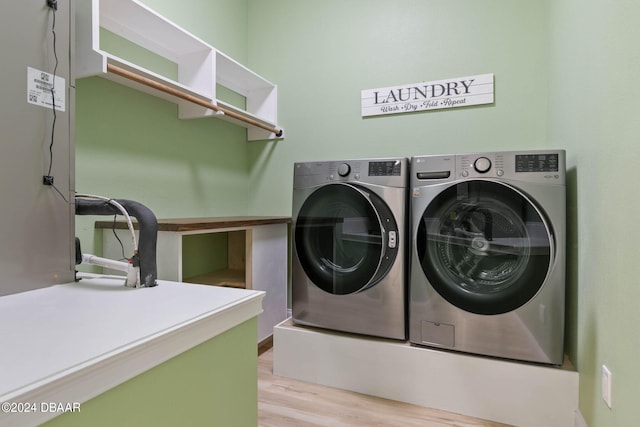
283	402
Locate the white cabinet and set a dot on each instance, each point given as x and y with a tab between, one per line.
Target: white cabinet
200	68
241	252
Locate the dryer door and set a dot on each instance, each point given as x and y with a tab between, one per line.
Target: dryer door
484	246
346	238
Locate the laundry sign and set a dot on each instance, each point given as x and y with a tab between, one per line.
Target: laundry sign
450	93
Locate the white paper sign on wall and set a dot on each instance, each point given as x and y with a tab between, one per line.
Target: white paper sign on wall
450	93
42	85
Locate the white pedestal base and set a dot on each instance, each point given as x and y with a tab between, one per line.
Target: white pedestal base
509	392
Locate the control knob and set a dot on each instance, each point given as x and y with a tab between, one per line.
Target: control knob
482	164
344	169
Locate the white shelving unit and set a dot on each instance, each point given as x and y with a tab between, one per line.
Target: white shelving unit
200	67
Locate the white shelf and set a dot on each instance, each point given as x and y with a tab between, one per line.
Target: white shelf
200	66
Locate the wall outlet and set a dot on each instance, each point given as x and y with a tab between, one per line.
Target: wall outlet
606	385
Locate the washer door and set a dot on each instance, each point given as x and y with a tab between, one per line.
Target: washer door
345	238
484	247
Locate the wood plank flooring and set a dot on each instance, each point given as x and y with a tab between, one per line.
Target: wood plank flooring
283	402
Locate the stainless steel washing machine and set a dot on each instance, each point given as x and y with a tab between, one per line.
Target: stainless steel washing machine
488	254
348	263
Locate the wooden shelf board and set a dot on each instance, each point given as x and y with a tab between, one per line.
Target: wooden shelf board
230	278
211	223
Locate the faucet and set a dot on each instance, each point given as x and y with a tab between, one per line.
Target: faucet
145	258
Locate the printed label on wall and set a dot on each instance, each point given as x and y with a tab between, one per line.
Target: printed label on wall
42	89
450	93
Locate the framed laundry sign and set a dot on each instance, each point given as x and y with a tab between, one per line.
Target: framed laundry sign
450	93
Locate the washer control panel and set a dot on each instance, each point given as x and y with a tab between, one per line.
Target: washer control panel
536	165
481	165
339	171
537	162
344	169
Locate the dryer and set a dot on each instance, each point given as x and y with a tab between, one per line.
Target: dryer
488	254
348	261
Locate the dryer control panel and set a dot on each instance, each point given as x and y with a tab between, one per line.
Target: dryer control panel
385	168
391	172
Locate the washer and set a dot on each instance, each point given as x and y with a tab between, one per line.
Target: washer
488	254
348	263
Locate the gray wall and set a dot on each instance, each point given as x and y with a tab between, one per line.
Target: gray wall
36	223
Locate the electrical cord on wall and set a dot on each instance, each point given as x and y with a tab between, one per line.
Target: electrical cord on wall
54	6
113	230
48	178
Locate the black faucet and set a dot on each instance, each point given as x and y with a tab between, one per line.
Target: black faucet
146	256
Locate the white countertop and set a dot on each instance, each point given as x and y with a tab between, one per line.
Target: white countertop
69	343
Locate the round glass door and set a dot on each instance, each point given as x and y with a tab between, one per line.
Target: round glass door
484	247
340	238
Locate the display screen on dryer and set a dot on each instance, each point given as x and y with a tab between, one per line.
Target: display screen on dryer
537	163
385	168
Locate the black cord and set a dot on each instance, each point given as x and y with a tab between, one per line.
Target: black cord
113	229
53	86
60	193
53	4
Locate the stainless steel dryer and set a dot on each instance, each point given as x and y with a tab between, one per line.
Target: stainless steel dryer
348	267
488	254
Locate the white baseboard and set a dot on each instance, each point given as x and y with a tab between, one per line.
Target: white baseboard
522	394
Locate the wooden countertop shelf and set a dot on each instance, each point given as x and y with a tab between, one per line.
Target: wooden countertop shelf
228	277
205	223
235	252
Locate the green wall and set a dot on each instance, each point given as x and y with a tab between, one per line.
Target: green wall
323	53
133	146
213	384
564	78
594	111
